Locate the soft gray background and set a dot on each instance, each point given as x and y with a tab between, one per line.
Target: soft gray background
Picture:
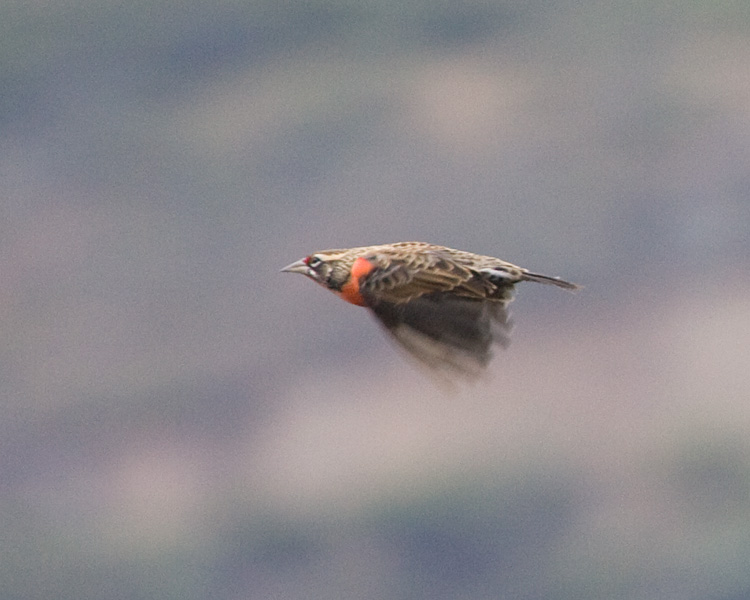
179	420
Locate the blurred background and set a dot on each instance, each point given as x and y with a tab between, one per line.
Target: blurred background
180	420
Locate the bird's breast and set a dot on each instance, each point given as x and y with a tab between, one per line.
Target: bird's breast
350	291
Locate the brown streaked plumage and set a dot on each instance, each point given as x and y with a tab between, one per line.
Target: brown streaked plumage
446	307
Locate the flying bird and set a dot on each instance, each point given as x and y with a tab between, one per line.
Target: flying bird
446	307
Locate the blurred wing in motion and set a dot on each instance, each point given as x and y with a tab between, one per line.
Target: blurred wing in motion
445	330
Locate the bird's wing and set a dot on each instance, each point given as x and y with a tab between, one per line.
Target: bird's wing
444	313
403	276
446	331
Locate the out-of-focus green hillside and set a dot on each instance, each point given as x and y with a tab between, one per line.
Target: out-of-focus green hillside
182	421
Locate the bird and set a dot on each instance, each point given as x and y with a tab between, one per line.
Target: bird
448	308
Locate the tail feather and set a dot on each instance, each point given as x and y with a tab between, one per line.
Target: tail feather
528	276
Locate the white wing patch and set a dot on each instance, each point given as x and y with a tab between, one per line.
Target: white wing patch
499	274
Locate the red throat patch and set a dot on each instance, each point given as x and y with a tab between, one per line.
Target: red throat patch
350	290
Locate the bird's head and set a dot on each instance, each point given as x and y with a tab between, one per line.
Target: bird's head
330	268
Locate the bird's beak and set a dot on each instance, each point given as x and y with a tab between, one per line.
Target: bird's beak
298	266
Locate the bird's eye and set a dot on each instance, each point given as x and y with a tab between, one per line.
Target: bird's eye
313	262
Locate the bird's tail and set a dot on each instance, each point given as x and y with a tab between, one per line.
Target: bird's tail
528	276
